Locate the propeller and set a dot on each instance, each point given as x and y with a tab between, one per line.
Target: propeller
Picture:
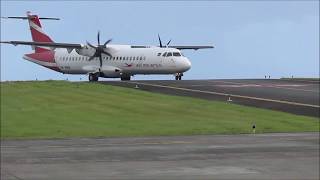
160	42
168	42
99	49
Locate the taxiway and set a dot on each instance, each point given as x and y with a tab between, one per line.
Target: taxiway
251	156
298	97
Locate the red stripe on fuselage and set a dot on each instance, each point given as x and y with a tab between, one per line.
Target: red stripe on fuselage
40	50
55	68
47	56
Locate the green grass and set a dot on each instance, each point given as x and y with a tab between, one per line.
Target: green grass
58	109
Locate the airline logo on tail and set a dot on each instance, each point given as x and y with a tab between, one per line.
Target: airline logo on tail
38	35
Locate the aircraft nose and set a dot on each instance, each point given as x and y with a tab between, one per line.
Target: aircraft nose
186	64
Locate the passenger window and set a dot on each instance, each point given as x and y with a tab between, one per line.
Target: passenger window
130	58
141	58
164	54
120	58
176	54
134	58
169	54
117	58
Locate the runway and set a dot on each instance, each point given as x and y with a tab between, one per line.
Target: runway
298	97
259	156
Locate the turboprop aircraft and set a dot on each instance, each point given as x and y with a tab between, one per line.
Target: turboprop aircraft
102	60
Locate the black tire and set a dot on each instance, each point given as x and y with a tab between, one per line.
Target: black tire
125	78
93	77
90	77
179	78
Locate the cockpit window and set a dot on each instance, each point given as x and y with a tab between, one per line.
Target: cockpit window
169	54
159	54
176	54
164	54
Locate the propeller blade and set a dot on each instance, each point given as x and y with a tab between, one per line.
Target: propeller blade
98	38
159	40
100	58
168	42
106	53
91	45
107	42
92	57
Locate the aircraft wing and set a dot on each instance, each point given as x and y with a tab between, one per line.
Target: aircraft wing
191	47
45	44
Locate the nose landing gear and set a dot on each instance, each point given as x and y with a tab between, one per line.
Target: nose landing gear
178	76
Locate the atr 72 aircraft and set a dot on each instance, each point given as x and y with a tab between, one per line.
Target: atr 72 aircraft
103	60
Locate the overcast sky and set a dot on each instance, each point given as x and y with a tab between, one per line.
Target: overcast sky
251	38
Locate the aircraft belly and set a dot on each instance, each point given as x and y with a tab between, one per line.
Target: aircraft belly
70	68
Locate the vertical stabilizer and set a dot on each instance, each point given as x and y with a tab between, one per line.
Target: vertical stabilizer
37	33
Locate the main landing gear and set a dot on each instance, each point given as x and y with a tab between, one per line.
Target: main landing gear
178	76
125	78
93	77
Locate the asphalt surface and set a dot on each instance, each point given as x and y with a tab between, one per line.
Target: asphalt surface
252	156
298	97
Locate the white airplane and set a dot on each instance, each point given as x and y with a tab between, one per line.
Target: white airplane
103	60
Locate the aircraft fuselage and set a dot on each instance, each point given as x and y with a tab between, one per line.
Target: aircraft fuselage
125	61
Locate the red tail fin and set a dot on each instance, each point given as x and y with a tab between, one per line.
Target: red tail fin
38	35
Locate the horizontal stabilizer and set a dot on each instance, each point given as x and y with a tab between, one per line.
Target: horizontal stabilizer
30	17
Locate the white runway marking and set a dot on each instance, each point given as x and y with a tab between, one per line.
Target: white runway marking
228	95
280	86
243	85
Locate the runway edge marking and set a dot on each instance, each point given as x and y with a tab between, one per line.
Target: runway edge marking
269	85
225	94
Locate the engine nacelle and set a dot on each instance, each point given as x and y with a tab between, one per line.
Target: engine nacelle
86	51
110	72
